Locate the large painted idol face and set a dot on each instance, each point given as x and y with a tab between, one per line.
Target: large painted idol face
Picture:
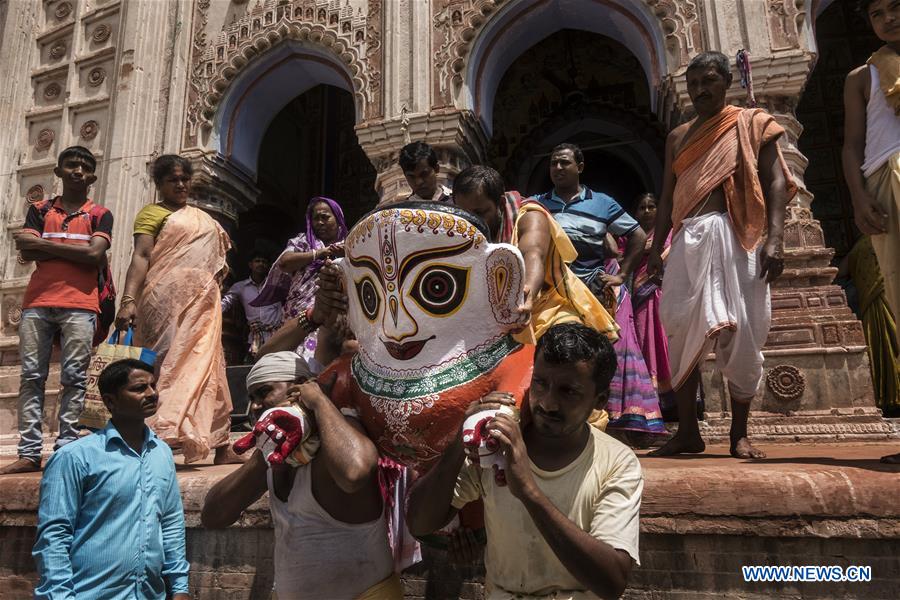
428	292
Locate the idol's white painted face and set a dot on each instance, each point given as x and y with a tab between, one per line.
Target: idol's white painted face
426	288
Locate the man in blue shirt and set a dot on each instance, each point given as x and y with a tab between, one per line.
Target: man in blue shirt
110	522
587	216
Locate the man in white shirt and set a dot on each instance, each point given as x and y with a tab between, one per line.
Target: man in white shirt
420	167
262	321
565	523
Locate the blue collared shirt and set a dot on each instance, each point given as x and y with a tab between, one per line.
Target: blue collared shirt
110	521
586	220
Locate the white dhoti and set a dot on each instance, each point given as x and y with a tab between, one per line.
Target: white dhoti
712	297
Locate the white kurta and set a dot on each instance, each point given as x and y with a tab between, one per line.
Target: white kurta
713	297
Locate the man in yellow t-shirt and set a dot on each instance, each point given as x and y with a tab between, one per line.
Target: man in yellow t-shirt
564	523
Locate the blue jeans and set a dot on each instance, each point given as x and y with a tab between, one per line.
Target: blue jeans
36	332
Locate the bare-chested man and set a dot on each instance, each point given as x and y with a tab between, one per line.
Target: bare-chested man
716	288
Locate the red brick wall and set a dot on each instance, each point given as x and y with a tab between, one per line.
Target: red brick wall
236	564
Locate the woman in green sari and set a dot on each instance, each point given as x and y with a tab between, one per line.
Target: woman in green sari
879	325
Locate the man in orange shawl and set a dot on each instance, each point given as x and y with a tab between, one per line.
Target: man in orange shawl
726	183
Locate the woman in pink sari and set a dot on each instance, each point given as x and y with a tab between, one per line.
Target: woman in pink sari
172	297
645	302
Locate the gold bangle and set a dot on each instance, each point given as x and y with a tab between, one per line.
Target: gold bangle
304	324
126	299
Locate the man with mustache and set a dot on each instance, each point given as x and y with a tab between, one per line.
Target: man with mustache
110	520
725	189
565	522
587	216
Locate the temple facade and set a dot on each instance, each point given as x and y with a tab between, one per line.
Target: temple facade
276	101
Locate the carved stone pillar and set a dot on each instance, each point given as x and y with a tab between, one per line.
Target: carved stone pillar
817	382
221	188
224	191
455	135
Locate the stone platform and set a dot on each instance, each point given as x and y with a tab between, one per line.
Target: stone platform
702	519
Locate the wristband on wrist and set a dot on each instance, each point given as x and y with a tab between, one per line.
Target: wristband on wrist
304	323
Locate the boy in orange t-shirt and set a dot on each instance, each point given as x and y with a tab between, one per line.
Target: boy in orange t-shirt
67	236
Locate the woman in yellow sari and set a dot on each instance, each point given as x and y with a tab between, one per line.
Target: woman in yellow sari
553	293
172	297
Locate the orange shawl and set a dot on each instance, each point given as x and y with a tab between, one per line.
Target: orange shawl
724	151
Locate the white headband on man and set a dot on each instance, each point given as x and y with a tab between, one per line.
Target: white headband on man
278	366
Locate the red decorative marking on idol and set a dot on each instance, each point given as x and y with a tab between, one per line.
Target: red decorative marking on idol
388	253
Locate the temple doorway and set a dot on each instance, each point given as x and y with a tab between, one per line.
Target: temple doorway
309	149
844	41
588	89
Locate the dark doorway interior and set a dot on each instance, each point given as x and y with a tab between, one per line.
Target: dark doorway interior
580	87
309	149
604	172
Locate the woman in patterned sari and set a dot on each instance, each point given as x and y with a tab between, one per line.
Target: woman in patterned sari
633	404
292	279
645	301
172	296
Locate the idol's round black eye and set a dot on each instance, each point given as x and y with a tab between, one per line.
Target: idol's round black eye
441	289
368	296
438	287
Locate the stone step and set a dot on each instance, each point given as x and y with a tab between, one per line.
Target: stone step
9	421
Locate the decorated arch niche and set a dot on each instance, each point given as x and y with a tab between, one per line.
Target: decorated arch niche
477	40
270	54
581	87
255	97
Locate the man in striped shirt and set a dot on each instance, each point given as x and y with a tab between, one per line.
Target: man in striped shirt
587	216
67	237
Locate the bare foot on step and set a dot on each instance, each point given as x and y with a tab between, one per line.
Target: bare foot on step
744	449
686	444
22	465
